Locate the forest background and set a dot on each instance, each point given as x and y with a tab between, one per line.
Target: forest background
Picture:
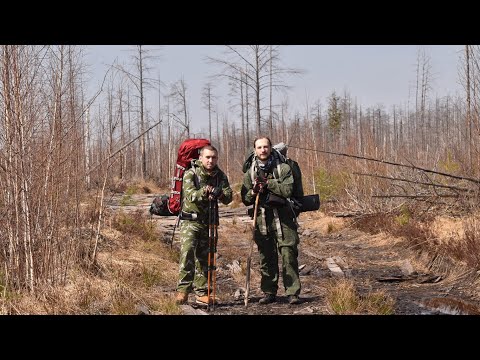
66	143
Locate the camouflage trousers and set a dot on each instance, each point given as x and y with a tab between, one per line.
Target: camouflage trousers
193	265
269	247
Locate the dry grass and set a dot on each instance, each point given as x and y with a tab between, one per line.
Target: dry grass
452	306
343	299
373	223
447	245
402	224
466	245
319	221
135	271
136	224
446	228
135	186
236	197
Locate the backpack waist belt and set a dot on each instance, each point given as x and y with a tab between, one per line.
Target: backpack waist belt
188	216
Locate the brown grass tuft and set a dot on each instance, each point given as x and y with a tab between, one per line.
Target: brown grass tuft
134	186
343	299
467	247
122	300
404	223
135	224
373	223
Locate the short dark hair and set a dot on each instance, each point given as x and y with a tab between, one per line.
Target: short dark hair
262	137
208	147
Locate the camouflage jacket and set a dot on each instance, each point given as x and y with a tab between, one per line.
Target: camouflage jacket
281	185
195	181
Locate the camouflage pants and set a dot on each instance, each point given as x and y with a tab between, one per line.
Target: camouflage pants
193	267
272	244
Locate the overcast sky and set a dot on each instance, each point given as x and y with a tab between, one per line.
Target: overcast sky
374	74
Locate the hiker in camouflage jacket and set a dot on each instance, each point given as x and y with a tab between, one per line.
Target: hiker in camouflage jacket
202	183
275	230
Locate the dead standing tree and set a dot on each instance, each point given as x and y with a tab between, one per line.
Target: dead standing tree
208	100
178	93
470	79
42	144
256	67
423	88
141	82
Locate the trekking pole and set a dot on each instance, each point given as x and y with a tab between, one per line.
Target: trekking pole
210	247
214	252
249	259
174	227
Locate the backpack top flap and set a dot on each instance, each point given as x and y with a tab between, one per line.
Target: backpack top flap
188	150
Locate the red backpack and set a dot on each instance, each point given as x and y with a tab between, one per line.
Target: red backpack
165	205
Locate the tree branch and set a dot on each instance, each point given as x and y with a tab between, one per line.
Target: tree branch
476	181
414	181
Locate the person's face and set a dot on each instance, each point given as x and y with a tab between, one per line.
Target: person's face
262	149
209	159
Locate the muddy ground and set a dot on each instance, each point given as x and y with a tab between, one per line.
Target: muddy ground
329	249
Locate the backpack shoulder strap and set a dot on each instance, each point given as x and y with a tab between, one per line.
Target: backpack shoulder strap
253	169
196	178
278	170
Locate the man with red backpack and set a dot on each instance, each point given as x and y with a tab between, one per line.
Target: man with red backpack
203	184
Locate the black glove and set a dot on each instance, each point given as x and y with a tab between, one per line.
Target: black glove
216	193
259	185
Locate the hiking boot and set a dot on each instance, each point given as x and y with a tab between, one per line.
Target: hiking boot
293	299
203	300
267	299
181	298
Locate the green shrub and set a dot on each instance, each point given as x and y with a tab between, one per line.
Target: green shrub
152	276
449	165
404	217
135	224
329	185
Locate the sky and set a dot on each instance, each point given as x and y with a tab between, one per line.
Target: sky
373	74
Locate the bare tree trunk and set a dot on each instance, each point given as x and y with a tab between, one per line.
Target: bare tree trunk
247	111
87	147
220	147
469	124
142	119
122	134
257	88
242	119
270	122
179	95
207	99
169	137
254	72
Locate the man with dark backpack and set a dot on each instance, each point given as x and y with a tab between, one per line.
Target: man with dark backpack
275	230
203	184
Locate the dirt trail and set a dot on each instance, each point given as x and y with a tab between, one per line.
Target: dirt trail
328	249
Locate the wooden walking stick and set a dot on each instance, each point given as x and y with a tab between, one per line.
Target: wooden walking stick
249	259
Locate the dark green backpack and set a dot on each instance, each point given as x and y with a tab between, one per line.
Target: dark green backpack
296	172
